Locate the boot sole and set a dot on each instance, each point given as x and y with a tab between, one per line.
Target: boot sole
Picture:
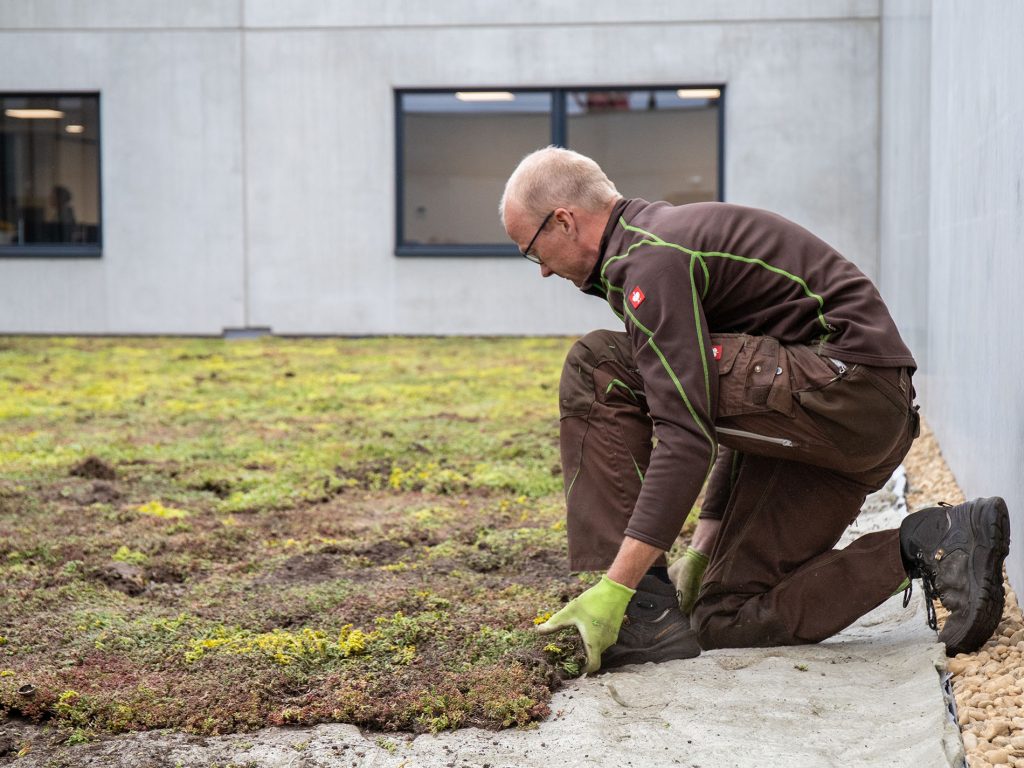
990	544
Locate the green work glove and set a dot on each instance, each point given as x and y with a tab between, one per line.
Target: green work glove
597	614
687	573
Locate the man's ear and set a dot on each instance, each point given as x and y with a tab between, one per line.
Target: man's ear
564	220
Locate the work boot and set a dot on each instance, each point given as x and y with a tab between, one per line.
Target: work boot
958	554
654	629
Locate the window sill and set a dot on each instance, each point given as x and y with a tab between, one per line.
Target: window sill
55	251
442	251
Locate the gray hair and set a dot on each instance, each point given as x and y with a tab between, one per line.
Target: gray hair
553	177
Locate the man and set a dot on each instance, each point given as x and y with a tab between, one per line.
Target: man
759	359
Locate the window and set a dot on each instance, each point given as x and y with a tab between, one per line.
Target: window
455	150
49	175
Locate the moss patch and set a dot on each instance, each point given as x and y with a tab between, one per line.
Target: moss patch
218	536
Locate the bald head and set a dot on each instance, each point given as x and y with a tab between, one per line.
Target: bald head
553	177
555	208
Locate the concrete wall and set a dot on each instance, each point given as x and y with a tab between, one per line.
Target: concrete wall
173	257
248	150
952	226
905	172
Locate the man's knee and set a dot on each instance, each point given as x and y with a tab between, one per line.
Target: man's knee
704	618
737	621
576	387
598	346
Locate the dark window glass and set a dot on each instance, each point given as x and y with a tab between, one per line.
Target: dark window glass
49	171
457	149
657	144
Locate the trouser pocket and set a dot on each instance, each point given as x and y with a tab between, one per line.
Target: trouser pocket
893	383
753	375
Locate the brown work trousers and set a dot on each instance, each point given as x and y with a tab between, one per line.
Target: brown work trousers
798	453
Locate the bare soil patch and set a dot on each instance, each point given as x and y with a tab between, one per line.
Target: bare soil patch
95	468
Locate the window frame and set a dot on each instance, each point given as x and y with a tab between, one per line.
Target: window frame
559	135
65	250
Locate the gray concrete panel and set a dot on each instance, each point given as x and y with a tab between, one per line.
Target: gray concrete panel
952	222
452	13
118	14
799	143
171	182
976	274
905	171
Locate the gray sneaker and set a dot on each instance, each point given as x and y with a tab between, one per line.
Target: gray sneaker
654	628
958	554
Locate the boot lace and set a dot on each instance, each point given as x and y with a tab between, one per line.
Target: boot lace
931	594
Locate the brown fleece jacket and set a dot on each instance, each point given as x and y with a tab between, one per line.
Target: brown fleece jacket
674	275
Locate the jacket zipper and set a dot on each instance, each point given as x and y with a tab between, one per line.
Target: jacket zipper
784	442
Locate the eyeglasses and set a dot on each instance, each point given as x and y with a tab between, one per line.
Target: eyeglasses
526	253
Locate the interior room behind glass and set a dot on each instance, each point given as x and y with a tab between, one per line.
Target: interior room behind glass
49	170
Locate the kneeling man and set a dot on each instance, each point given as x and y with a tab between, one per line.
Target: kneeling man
761	360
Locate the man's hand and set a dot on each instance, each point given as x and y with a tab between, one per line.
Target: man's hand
597	614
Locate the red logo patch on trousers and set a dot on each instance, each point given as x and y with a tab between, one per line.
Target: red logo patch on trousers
636	297
716	351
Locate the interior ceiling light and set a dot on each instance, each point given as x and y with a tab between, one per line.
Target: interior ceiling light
485	96
35	114
74	128
699	93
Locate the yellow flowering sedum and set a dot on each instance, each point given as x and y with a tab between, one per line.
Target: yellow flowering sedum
280	645
156	509
353	641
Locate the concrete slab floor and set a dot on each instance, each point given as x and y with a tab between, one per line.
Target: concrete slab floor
869	697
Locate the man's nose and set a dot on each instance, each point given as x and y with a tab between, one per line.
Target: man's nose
545	271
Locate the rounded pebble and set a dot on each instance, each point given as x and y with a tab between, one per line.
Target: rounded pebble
996	727
958	665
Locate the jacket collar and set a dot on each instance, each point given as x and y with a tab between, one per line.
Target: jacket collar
611	240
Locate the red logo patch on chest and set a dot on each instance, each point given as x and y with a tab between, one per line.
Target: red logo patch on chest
636	297
716	351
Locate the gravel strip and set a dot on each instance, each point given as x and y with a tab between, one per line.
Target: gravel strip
987	684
